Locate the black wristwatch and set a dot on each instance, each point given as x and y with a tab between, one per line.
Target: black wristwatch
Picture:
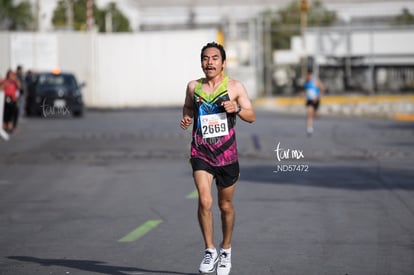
238	110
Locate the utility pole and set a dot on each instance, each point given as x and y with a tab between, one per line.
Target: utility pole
89	15
108	21
268	60
304	8
69	14
37	16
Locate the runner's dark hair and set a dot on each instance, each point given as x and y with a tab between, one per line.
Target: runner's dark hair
217	46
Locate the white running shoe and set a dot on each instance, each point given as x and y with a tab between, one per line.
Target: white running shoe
309	131
224	265
208	264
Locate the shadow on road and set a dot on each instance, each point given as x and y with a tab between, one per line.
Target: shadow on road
92	266
341	177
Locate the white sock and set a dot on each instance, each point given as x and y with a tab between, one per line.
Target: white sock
213	250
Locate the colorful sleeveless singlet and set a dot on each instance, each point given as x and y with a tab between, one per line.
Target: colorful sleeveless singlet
214	137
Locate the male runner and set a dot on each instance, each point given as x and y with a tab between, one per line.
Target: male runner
313	91
212	103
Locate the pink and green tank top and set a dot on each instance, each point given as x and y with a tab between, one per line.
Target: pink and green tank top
214	137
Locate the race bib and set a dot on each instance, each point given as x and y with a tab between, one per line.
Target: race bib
214	125
311	94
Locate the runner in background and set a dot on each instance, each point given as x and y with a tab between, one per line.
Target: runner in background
313	91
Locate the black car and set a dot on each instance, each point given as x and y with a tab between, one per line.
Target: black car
54	94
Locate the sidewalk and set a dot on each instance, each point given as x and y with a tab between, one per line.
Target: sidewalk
399	107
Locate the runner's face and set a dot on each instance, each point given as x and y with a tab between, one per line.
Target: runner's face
212	63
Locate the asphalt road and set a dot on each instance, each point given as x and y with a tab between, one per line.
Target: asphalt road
112	193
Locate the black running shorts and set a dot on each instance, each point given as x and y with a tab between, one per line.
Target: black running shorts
225	175
314	104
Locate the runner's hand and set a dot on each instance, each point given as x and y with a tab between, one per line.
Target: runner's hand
230	106
185	122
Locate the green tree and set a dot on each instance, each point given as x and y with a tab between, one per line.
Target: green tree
285	23
16	17
60	20
119	21
405	18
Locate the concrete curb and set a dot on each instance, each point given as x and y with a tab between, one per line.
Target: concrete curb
398	107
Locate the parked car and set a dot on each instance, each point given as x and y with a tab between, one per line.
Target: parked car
54	93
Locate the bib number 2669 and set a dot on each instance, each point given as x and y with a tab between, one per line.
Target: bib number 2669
214	125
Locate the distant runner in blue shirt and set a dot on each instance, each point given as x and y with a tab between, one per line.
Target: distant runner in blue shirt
313	91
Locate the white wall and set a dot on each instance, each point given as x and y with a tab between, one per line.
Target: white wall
120	70
147	69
